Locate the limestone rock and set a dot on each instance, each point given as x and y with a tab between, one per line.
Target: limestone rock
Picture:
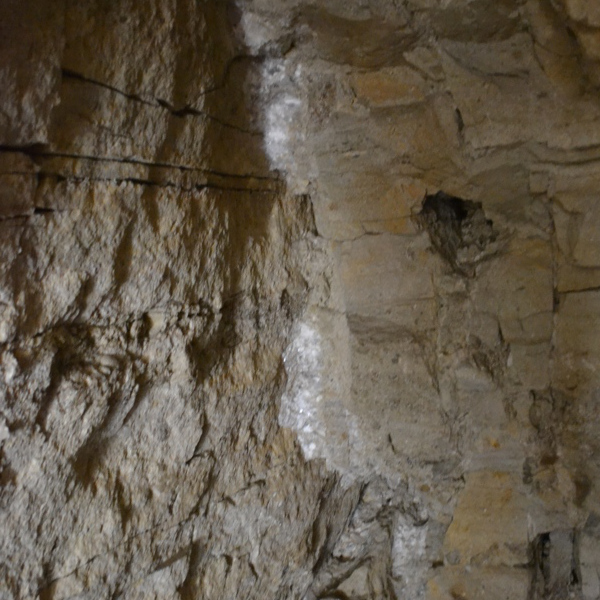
299	300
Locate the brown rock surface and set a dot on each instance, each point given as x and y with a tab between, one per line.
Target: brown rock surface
299	300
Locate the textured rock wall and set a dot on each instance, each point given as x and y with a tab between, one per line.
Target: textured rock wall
299	300
152	267
453	154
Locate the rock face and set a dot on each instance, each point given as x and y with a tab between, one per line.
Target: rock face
300	300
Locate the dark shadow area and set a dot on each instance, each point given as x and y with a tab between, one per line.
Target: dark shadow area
458	229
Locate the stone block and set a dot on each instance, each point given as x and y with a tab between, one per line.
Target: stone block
490	525
586	250
519	289
390	87
577	341
383	273
460	583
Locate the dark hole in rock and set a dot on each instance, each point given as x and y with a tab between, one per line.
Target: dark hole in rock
458	229
555	566
548	460
574	577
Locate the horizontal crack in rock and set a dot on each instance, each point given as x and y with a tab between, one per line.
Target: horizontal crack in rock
40	151
185	111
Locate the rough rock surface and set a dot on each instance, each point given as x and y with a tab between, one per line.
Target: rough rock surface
300	299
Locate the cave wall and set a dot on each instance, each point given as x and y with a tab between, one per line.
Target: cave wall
299	300
152	267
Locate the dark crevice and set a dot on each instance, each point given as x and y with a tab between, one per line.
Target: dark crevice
458	229
190	111
579	291
331	590
21	216
38	151
171	560
554	562
148	182
185	111
188	589
459	121
69	74
28	149
198	450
